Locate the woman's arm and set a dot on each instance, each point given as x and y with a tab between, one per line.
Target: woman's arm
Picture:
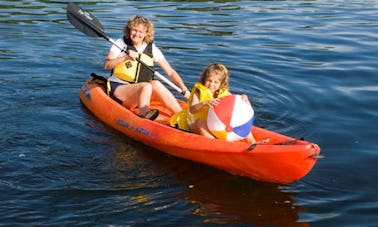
175	77
112	60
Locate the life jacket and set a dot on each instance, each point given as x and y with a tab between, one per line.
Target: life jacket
184	118
133	71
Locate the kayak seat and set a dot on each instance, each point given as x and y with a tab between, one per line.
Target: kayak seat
100	80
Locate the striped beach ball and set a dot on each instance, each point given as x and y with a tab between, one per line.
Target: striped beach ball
231	119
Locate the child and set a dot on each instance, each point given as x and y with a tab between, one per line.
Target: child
212	85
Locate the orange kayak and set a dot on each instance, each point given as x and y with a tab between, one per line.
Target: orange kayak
282	160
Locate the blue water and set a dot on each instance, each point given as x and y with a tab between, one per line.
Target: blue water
309	67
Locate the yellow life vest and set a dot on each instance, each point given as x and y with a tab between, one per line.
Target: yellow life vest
131	70
183	118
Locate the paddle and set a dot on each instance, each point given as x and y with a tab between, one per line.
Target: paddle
91	26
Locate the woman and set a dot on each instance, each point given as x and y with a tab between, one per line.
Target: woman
132	83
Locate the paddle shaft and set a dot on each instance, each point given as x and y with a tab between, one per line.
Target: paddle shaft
87	21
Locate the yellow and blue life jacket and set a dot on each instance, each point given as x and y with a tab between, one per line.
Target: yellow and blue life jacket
184	118
133	71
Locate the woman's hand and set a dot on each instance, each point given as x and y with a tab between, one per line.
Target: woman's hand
185	93
133	55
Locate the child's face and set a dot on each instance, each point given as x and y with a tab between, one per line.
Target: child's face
213	82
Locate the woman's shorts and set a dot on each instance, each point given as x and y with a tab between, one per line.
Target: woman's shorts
113	87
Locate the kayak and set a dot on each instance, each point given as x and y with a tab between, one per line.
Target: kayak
281	160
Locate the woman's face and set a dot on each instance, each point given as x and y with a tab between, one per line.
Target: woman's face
213	82
137	34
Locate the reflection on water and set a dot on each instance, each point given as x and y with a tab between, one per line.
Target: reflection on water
223	200
215	196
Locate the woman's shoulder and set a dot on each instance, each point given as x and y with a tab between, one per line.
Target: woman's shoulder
154	46
121	42
157	53
117	46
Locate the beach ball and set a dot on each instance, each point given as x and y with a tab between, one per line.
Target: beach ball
231	119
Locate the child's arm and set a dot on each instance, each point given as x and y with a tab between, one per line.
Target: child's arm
197	106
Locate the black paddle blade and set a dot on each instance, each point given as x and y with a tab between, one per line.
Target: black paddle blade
85	21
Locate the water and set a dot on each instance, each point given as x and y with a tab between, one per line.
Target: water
310	68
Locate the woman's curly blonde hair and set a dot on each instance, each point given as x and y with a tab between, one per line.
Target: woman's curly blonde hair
137	20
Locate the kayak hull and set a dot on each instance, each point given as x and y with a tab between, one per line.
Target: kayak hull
282	160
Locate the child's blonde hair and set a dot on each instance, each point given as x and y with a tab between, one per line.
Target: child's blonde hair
135	21
218	69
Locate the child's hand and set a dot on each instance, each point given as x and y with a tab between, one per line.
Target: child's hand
213	102
245	99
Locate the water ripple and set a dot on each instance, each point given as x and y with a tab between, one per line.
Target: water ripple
309	68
